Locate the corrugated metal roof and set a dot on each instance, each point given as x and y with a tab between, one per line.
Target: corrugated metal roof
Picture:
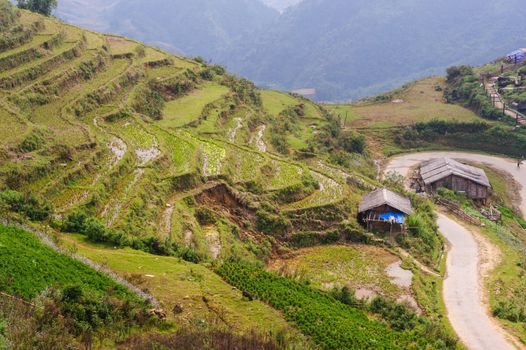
384	196
438	169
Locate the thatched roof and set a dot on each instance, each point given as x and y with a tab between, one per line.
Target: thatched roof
443	167
384	196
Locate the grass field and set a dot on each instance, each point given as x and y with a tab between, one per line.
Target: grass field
187	109
173	281
419	102
327	267
275	102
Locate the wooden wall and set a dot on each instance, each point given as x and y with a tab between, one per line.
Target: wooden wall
472	189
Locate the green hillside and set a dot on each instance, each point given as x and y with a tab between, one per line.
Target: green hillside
162	169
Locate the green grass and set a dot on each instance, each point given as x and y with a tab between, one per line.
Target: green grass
330	192
186	109
275	102
15	132
120	46
421	103
27	268
173	281
356	267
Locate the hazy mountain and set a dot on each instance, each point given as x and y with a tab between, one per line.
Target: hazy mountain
342	48
348	49
190	27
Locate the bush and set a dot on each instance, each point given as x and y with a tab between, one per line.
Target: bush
352	142
29	205
33	142
149	102
270	223
95	231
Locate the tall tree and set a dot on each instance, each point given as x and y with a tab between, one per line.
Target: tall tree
44	7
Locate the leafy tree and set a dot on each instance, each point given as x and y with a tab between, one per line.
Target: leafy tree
44	7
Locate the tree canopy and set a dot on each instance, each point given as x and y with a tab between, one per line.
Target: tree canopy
44	7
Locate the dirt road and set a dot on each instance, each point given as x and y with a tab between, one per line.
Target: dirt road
463	294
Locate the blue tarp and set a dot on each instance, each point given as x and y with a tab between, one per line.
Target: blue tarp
517	55
393	216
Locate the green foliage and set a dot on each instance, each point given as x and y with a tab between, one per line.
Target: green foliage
44	7
329	322
464	135
244	91
7	14
34	208
508	213
210	72
149	102
205	216
92	312
464	86
352	142
310	239
95	231
271	223
422	239
33	142
28	268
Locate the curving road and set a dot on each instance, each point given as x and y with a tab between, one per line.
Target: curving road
462	294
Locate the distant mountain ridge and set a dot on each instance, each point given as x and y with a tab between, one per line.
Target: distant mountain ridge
192	28
344	49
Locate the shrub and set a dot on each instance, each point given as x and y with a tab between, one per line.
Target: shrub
33	142
270	223
352	142
29	205
149	102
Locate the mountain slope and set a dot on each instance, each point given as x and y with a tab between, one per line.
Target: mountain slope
343	49
349	49
163	168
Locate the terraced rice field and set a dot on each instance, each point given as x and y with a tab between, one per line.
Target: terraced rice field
97	153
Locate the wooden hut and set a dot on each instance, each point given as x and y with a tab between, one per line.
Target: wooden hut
449	173
385	211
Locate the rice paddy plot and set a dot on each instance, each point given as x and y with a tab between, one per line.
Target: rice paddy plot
285	175
243	164
183	152
329	192
212	158
36	63
12	128
275	102
135	135
94	41
152	55
187	109
121	46
37	40
362	268
173	281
